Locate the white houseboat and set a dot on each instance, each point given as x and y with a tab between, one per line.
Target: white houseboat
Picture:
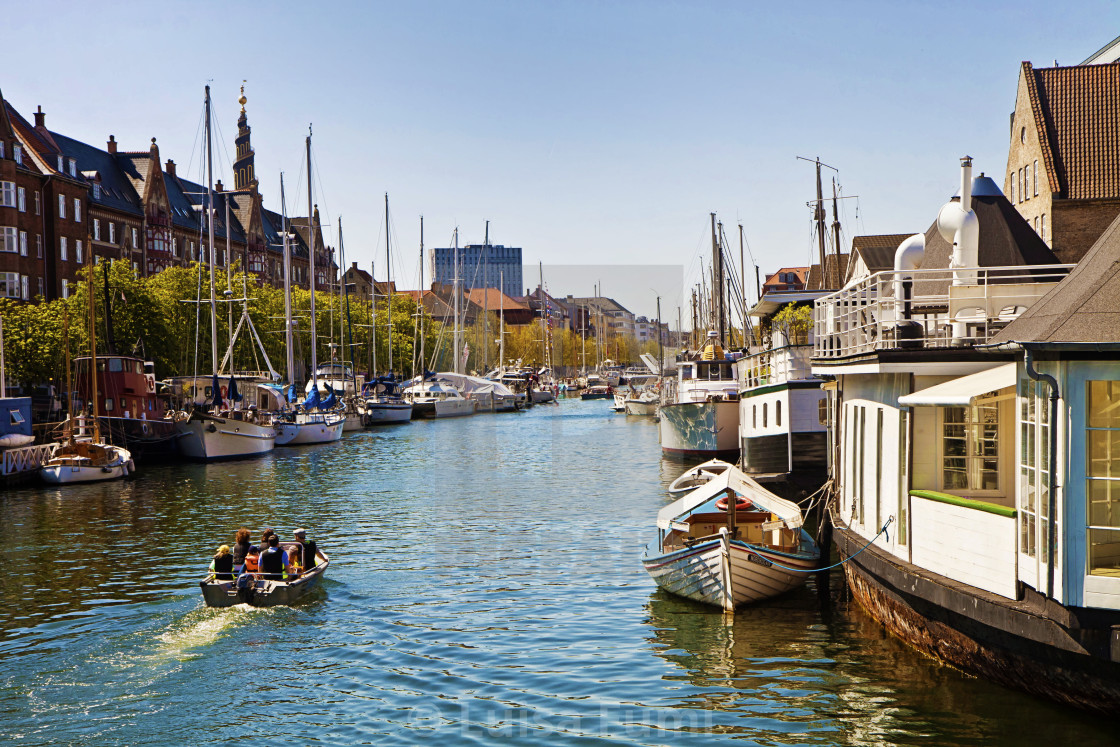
700	408
783	416
977	392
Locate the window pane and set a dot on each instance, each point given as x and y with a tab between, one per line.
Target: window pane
1104	552
1103	457
1104	503
1104	404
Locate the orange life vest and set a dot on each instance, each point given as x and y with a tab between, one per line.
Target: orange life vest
252	563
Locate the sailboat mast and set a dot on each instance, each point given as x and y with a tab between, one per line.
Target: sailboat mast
660	349
291	361
455	288
388	284
540	300
372	320
420	301
502	327
819	214
69	383
311	264
210	238
346	296
835	237
229	286
92	343
486	299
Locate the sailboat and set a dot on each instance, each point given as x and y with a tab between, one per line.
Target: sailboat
316	421
220	433
436	399
89	459
383	401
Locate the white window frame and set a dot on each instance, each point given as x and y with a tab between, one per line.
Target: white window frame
9	285
60	164
112	232
9	240
65	288
97	229
97	191
1036	177
62	248
24	287
1027	182
38	202
21	199
135	238
7	194
971	454
62	205
78	251
23	243
17	153
39	246
77	210
73	168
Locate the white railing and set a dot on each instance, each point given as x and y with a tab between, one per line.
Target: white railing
775	366
25	458
925	309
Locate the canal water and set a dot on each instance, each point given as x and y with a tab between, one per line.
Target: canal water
484	586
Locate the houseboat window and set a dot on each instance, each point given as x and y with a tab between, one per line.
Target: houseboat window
970	447
1102	473
16	417
109	404
822	411
903	465
754	416
860	464
778	413
115	365
763	414
124	404
1034	439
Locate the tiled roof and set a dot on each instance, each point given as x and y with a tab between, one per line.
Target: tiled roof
801	272
1084	307
1077	110
878	250
494	300
835	279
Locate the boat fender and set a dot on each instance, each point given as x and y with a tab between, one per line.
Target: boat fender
131	466
741	503
211	428
106	469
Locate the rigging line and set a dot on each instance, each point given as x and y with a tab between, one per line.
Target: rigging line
197	139
317	174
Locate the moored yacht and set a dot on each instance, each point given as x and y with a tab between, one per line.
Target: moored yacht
700	408
431	399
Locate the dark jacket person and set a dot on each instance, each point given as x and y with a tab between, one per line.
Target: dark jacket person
273	560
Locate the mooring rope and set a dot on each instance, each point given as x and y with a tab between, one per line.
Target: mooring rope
834	565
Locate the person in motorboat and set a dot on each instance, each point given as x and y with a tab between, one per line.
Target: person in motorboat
294	566
274	561
308	549
264	538
241	547
252	561
222	564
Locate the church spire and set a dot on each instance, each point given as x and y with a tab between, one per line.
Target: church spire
243	175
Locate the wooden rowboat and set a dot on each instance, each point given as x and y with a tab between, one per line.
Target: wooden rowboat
730	542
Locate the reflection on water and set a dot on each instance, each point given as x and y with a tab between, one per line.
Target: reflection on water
485	584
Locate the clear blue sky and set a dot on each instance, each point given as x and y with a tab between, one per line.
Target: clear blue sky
586	132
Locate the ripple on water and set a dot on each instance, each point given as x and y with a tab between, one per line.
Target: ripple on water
485	585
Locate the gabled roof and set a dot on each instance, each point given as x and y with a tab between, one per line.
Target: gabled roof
801	272
117	191
1083	307
835	279
877	251
1077	112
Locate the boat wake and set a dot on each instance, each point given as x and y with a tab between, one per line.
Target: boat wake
201	628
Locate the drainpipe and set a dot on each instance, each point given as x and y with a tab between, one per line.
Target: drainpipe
1052	498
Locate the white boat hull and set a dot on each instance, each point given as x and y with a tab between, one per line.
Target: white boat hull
444	408
700	429
65	471
213	438
728	574
384	413
641	407
296	434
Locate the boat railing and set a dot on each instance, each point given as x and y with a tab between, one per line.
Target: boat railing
775	366
918	309
25	458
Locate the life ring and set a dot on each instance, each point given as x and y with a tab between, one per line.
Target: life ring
741	503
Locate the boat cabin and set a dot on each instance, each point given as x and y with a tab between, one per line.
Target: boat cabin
126	387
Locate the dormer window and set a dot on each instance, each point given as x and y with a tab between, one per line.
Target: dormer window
73	168
60	164
17	153
97	191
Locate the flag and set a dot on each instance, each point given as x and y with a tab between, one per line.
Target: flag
466	353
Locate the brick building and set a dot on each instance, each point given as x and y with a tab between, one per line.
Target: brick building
60	198
1063	166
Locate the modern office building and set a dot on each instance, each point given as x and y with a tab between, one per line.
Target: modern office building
480	266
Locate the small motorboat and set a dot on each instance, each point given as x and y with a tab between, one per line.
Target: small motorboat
698	475
730	542
643	403
253	590
598	391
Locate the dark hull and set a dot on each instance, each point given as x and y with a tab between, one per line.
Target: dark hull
1061	653
596	395
423	410
771	455
146	439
